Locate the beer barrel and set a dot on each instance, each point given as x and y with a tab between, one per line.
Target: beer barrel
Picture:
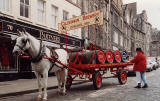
109	56
124	56
86	56
117	56
101	56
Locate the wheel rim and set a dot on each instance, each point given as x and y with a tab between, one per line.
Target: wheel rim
99	81
123	77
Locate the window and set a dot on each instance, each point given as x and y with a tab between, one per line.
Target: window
121	24
127	18
41	11
121	40
128	43
75	31
115	19
115	37
54	16
4	5
75	1
126	31
24	8
65	15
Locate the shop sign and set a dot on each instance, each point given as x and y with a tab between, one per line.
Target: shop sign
49	37
40	33
81	21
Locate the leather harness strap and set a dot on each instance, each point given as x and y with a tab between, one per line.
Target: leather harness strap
40	54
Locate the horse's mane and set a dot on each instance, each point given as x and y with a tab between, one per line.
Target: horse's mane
32	37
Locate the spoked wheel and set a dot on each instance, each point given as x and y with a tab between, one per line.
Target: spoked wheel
97	80
69	82
122	76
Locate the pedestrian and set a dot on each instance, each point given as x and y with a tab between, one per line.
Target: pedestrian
140	68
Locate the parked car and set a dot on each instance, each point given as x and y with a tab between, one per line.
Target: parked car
149	65
158	61
154	62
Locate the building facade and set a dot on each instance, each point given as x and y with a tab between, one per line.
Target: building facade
141	23
103	34
117	25
155	43
126	30
40	18
129	12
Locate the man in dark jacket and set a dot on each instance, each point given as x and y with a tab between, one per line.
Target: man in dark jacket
140	67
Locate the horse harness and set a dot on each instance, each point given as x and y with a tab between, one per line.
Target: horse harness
42	53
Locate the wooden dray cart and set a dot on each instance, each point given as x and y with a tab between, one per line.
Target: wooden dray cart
92	69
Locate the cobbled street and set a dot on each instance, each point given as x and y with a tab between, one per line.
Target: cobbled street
110	91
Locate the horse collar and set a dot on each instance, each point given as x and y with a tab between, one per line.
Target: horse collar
40	54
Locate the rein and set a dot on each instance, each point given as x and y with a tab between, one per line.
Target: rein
42	55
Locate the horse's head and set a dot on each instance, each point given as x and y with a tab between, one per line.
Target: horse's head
22	43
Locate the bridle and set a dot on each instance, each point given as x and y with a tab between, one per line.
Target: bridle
21	47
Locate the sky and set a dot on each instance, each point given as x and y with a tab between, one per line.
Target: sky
152	8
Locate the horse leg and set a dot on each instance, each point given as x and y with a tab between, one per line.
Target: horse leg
39	86
45	81
64	79
59	82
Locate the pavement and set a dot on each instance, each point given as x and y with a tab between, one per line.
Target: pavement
24	86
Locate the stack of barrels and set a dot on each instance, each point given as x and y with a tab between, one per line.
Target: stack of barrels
113	57
102	57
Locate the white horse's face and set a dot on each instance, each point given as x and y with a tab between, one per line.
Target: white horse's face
22	44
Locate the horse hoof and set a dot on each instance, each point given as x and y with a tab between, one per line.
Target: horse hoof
58	92
39	99
63	94
44	99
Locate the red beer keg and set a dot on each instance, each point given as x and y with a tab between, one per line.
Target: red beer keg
109	56
101	56
117	55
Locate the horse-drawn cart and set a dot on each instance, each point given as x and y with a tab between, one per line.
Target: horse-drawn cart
93	63
94	72
90	63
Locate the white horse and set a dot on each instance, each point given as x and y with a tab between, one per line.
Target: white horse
40	65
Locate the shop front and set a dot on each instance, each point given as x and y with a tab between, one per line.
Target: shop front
8	34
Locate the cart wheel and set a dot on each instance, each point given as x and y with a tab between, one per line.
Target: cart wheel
122	77
69	82
97	80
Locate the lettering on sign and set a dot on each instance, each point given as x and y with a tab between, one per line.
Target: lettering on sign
81	21
49	37
10	27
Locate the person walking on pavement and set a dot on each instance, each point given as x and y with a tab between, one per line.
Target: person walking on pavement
140	68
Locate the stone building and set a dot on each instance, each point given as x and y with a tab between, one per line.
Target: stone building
155	43
103	35
40	18
141	23
138	29
110	35
123	28
117	25
129	12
